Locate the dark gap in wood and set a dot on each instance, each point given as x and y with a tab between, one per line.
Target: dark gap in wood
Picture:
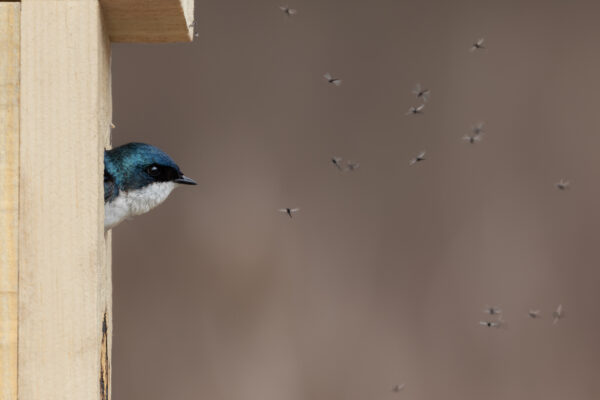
104	365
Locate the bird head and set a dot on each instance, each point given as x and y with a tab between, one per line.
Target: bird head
137	178
138	165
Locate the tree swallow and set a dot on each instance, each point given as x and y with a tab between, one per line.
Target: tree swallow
137	178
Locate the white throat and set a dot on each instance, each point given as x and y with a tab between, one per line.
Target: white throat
136	202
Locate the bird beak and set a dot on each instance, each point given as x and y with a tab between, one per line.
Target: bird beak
184	180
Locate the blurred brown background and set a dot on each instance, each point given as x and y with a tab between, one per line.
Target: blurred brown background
382	276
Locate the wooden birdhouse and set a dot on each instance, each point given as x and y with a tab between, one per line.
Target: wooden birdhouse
55	119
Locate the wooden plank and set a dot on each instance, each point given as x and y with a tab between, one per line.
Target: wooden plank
64	272
9	195
149	21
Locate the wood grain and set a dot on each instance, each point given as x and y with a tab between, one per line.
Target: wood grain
149	21
64	265
9	195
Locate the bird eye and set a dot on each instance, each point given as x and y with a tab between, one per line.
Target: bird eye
153	171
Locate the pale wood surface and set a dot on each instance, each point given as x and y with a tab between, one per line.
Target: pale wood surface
9	196
64	274
149	21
